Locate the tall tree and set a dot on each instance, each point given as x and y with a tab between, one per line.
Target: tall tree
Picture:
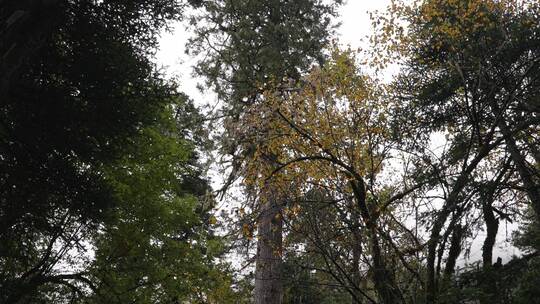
331	138
157	245
249	46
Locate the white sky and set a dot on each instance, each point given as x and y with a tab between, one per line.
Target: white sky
354	31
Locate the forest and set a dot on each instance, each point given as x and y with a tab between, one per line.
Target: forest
338	181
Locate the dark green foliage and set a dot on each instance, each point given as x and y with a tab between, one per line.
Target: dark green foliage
528	291
249	43
157	246
99	183
73	107
470	71
514	282
452	80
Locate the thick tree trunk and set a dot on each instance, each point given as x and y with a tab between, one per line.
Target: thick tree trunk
453	252
268	280
489	283
492	226
384	281
357	253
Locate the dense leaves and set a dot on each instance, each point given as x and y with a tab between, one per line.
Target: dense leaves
102	196
352	190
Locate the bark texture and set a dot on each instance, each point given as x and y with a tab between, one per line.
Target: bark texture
268	277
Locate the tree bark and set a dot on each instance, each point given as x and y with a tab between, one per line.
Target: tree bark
492	226
384	282
453	252
532	188
268	280
357	252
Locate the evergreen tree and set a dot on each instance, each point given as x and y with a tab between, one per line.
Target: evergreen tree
101	195
250	46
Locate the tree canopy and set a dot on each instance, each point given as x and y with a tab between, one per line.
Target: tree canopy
346	188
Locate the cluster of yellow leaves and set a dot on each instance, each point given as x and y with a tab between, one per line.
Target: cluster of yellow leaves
304	136
439	25
292	211
247	230
450	22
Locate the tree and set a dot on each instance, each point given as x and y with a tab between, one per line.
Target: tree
88	145
330	136
248	46
470	70
157	246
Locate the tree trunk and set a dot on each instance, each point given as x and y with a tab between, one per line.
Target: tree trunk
357	252
384	282
489	282
527	177
453	252
441	217
492	226
532	189
431	282
268	281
